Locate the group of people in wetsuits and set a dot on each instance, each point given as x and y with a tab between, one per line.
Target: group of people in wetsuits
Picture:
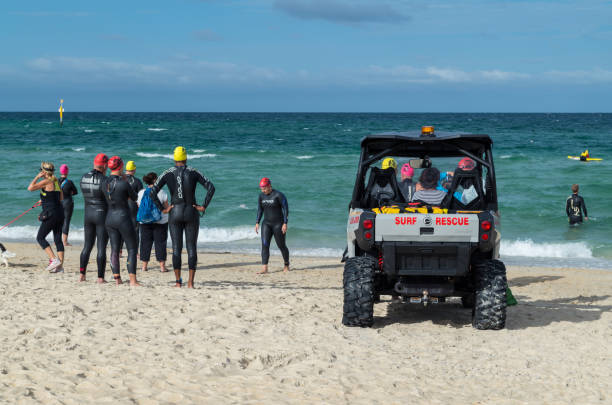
111	209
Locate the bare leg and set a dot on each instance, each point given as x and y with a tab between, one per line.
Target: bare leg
177	275
65	239
286	268
118	279
61	257
49	252
162	266
264	270
82	277
191	277
101	280
145	266
133	281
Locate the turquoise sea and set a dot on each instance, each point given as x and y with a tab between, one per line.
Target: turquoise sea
312	158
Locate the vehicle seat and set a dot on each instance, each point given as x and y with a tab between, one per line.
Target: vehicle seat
462	177
382	189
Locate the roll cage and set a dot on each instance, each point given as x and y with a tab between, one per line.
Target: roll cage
414	145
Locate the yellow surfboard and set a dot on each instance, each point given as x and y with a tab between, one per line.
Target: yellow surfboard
588	159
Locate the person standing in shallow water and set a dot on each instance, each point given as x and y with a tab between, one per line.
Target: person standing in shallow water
272	205
118	222
575	206
68	190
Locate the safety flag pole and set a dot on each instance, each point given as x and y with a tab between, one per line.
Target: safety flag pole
19	216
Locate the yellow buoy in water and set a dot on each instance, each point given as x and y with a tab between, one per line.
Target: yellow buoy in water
61	112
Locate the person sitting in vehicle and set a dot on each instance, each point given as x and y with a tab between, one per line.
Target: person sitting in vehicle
426	189
407	186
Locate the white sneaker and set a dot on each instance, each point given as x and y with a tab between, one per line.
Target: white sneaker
59	269
53	264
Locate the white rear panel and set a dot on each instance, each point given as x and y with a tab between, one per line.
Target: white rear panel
446	227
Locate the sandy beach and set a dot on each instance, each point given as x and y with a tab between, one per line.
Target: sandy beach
246	338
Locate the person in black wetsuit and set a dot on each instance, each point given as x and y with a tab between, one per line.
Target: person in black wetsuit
575	206
69	190
184	212
52	215
118	223
272	205
95	216
136	184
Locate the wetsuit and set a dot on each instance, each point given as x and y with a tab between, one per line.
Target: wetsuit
574	207
407	188
68	189
275	211
53	213
118	222
95	216
182	182
136	184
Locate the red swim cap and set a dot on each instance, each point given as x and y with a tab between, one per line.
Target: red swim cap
101	159
115	163
466	164
264	182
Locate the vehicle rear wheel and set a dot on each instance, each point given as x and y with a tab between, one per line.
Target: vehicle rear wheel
490	298
358	285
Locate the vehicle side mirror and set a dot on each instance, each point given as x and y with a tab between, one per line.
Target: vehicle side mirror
420	163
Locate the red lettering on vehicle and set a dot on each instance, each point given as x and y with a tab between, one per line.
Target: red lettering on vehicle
354	219
405	220
464	221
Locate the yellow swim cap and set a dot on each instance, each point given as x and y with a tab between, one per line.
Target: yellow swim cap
130	165
389	162
180	154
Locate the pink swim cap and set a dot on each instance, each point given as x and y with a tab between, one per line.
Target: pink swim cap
64	169
407	170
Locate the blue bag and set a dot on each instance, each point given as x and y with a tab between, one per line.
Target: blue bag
148	211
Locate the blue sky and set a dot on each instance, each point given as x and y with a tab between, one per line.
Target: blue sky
307	55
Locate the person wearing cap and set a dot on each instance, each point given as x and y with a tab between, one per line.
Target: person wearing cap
407	186
94	227
272	205
136	184
426	191
184	218
69	190
389	163
118	192
52	215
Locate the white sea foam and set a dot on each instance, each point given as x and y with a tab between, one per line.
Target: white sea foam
243	206
199	150
89	130
105	122
529	248
158	155
78	149
157	129
505	156
233	234
305	157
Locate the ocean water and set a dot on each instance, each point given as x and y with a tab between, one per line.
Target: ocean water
312	158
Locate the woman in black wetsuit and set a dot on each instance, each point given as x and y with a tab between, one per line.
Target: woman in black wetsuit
68	190
273	206
118	219
52	215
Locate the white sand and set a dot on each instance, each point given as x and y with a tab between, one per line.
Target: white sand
277	338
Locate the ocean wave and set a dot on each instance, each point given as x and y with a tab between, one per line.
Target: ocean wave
505	156
243	206
304	157
89	130
156	155
206	235
78	149
157	129
199	150
529	248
